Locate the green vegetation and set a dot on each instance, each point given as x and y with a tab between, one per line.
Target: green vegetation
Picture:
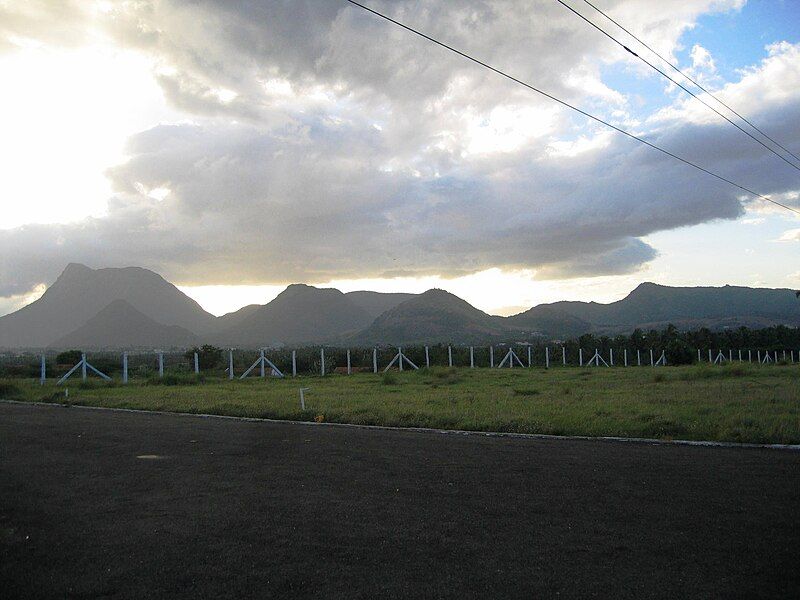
739	402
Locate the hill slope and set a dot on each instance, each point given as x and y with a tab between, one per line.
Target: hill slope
120	325
80	293
652	305
377	303
300	314
435	316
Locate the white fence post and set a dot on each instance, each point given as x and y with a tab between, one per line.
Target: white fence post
83	366
625	356
124	367
230	364
42	372
638	358
471	357
349	370
450	356
196	364
491	356
374	360
529	357
400	358
322	361
547	357
160	364
427	359
294	363
611	356
749	356
564	355
580	357
651	357
698	355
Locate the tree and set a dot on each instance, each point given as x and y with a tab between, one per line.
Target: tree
208	356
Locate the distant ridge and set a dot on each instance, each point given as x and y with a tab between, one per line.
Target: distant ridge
120	325
80	293
298	315
112	307
654	306
435	316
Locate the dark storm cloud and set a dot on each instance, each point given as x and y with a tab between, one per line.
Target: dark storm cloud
325	144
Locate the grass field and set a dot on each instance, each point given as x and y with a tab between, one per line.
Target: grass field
739	403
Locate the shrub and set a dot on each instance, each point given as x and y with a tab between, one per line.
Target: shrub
68	357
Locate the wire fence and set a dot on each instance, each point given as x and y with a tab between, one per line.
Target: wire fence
329	360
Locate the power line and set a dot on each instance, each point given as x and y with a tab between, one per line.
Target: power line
570	106
684	88
743	118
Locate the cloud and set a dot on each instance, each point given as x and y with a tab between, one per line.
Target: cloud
325	144
792	235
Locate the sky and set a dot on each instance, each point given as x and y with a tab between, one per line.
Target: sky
236	147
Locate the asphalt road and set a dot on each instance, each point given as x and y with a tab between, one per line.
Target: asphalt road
128	505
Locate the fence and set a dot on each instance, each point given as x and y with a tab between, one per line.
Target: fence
323	361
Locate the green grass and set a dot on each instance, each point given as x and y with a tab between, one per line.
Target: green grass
739	403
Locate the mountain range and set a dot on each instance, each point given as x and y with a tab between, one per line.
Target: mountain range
133	307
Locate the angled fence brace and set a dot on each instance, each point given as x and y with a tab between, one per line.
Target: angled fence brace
262	361
399	358
596	359
83	364
511	356
662	360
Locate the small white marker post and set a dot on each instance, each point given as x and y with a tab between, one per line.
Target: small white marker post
530	362
349	370
759	356
711	360
547	357
749	356
427	359
638	358
43	372
322	361
791	353
160	364
740	356
230	364
83	366
374	360
564	356
450	356
471	357
625	356
651	358
303	398
124	367
196	364
294	363
730	355
580	357
775	356
611	356
491	357
698	355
